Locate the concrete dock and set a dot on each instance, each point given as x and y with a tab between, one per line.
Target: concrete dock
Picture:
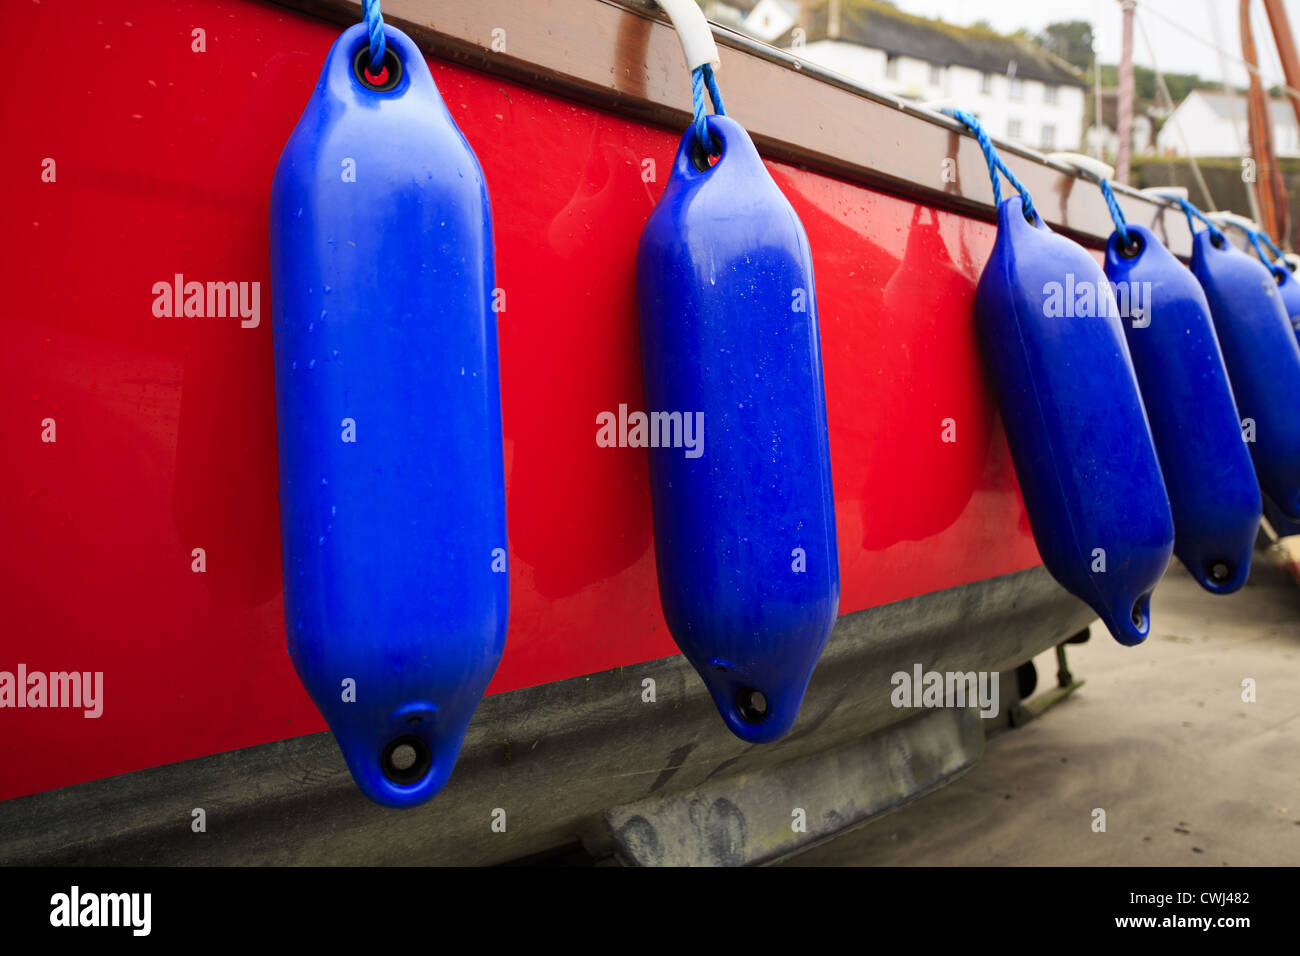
1159	737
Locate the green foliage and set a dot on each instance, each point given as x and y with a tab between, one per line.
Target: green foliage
1071	40
1144	81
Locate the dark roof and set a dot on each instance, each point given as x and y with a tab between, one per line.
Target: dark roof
882	27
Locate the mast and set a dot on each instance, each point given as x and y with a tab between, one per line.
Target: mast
1125	104
1286	49
1284	39
1269	185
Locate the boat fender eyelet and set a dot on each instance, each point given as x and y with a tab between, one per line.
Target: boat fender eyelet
406	760
388	77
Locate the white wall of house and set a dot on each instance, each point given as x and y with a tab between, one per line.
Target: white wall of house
1286	140
860	63
1028	111
1209	133
770	18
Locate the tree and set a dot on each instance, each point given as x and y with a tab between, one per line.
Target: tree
1071	40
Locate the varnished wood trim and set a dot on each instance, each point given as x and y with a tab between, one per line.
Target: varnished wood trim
624	56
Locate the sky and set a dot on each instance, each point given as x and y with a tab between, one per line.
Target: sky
1176	51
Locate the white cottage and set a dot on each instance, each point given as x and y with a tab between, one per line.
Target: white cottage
1215	125
1017	89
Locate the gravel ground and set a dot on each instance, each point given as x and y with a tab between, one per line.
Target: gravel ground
1159	737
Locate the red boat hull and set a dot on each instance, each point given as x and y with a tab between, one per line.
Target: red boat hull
165	426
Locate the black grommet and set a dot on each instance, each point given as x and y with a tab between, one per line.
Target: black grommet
406	760
1131	249
699	158
752	705
1218	571
361	62
1139	618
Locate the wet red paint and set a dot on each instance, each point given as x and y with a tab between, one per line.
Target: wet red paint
165	426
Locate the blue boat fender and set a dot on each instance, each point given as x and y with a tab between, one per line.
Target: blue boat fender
1288	287
1213	492
1262	356
388	410
1075	424
744	522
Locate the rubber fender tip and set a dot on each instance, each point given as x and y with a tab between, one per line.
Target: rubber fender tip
1222	575
406	772
754	716
1134	627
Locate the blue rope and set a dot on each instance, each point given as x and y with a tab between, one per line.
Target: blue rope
1189	211
1277	253
375	27
1254	238
702	77
1116	214
995	162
